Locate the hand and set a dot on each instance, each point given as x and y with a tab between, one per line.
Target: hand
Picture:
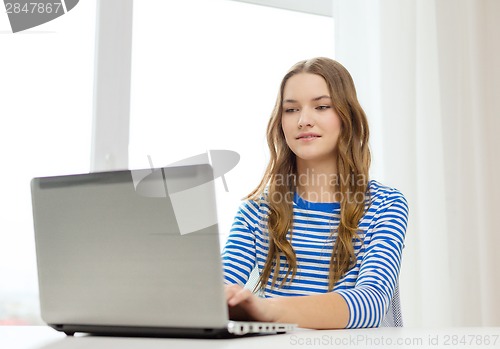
244	305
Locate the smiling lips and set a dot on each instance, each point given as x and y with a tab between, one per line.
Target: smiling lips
307	136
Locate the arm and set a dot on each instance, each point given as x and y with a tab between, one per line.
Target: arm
238	256
378	275
324	311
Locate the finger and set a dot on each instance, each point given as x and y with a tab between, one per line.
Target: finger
230	290
240	296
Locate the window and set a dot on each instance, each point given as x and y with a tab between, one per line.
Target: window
205	75
47	86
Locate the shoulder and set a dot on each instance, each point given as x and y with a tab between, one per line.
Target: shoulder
257	206
388	213
382	196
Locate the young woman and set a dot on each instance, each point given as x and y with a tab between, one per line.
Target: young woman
316	226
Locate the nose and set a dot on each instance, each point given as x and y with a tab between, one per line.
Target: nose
305	119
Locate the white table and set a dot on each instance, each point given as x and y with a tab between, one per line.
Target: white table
41	337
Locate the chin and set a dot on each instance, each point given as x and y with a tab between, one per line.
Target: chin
313	155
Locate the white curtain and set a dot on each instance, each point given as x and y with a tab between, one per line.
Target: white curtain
428	76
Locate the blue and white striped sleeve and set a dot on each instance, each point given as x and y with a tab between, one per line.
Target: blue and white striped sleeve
238	255
371	296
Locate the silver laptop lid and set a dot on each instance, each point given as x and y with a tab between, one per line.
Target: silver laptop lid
130	248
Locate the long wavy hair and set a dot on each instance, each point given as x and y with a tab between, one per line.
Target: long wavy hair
353	162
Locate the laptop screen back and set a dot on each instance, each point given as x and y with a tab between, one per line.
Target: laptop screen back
130	248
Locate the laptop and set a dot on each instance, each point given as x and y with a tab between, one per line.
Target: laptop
133	252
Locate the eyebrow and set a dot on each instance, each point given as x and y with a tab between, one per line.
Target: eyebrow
313	100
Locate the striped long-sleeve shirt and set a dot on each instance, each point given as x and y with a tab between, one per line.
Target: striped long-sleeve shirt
368	287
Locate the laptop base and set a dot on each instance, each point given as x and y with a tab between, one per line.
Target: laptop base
158	332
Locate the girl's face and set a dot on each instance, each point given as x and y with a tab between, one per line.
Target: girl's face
309	122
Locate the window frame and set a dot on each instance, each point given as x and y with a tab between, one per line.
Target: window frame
113	69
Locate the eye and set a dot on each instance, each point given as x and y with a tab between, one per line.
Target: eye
323	107
290	110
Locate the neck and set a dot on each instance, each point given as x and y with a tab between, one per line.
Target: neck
316	181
